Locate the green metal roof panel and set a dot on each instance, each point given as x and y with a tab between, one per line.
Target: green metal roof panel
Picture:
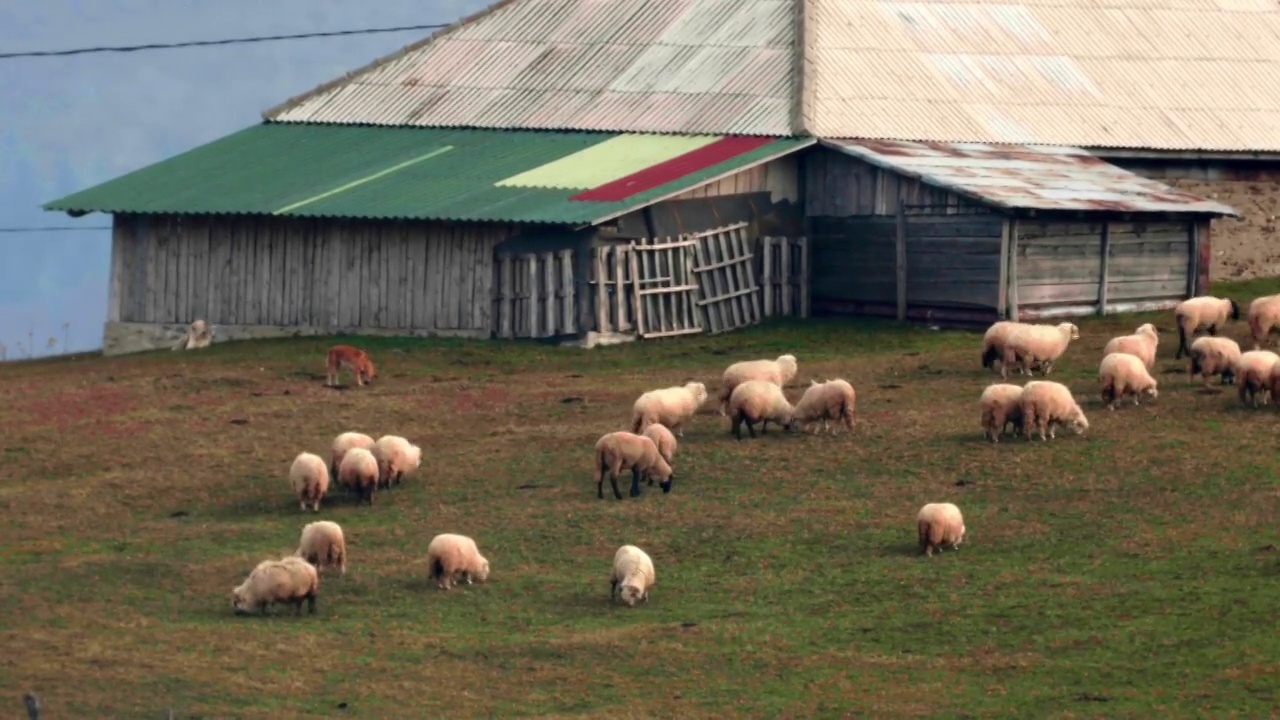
425	173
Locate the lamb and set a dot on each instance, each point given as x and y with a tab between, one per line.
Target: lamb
939	524
618	451
1253	373
290	579
830	400
310	480
1204	312
1141	344
1001	405
664	440
359	471
1032	343
323	545
1264	318
198	336
344	442
396	456
994	339
1214	356
759	401
1124	374
1046	404
779	371
633	573
451	558
670	406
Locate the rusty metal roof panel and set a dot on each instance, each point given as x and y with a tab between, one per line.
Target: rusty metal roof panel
1027	178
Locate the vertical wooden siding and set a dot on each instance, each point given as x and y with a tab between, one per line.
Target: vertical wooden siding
779	177
321	273
837	185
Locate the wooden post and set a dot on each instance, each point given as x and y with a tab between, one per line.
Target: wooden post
766	272
568	293
1193	264
1105	276
900	262
1013	271
636	300
549	292
804	276
602	293
506	298
1002	294
784	274
531	312
619	290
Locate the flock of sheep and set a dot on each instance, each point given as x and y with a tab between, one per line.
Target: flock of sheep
751	394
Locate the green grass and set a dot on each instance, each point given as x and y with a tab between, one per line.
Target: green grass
1127	573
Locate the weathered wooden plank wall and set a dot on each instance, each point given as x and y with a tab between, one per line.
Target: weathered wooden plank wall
293	272
837	185
779	177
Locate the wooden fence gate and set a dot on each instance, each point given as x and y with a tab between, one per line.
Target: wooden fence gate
663	288
728	294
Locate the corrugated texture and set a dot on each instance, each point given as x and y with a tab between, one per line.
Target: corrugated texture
674	66
1156	74
1020	177
670	170
607	161
385	173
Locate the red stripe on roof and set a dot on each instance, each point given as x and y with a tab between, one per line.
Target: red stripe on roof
673	169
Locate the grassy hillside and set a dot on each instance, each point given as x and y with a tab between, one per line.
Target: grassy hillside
1129	573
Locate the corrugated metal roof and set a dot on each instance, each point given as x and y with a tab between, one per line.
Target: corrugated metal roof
422	173
1022	177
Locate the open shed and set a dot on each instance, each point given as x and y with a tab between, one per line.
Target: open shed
969	232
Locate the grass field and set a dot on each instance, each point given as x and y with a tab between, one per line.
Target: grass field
1130	572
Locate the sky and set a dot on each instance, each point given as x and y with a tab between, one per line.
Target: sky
67	123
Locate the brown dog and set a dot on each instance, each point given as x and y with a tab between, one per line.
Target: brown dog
353	359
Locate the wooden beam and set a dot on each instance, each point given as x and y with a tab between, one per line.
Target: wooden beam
1002	294
1193	262
900	260
1104	277
1013	271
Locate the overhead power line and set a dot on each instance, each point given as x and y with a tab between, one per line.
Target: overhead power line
53	228
225	41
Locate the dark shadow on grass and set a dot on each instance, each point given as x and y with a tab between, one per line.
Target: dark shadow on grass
901	550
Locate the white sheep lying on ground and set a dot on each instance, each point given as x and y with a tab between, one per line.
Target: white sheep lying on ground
993	342
759	401
1001	405
309	479
632	573
1264	317
344	442
1141	344
359	472
939	524
1253	374
618	451
1204	312
664	441
451	558
396	457
778	371
1214	356
1037	343
290	580
1046	404
830	400
1124	374
323	545
671	406
197	337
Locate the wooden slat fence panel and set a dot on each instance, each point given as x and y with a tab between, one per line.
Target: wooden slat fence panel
783	269
665	287
728	294
534	295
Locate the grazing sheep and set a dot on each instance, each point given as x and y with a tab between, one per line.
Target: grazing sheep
290	580
451	558
618	451
309	479
1253	374
1046	404
1037	343
939	524
1264	317
198	336
633	573
1001	405
396	456
359	471
344	442
1141	344
779	371
1124	374
830	400
670	406
322	544
759	401
1214	356
664	440
1204	312
993	342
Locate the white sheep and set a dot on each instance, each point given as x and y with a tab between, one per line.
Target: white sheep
830	400
451	558
632	573
1264	318
341	444
1253	373
198	336
993	342
1047	404
759	401
359	471
309	479
1001	405
323	545
1124	374
618	451
1214	356
290	580
1204	312
671	406
1037	343
396	456
939	524
1141	344
778	371
665	442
